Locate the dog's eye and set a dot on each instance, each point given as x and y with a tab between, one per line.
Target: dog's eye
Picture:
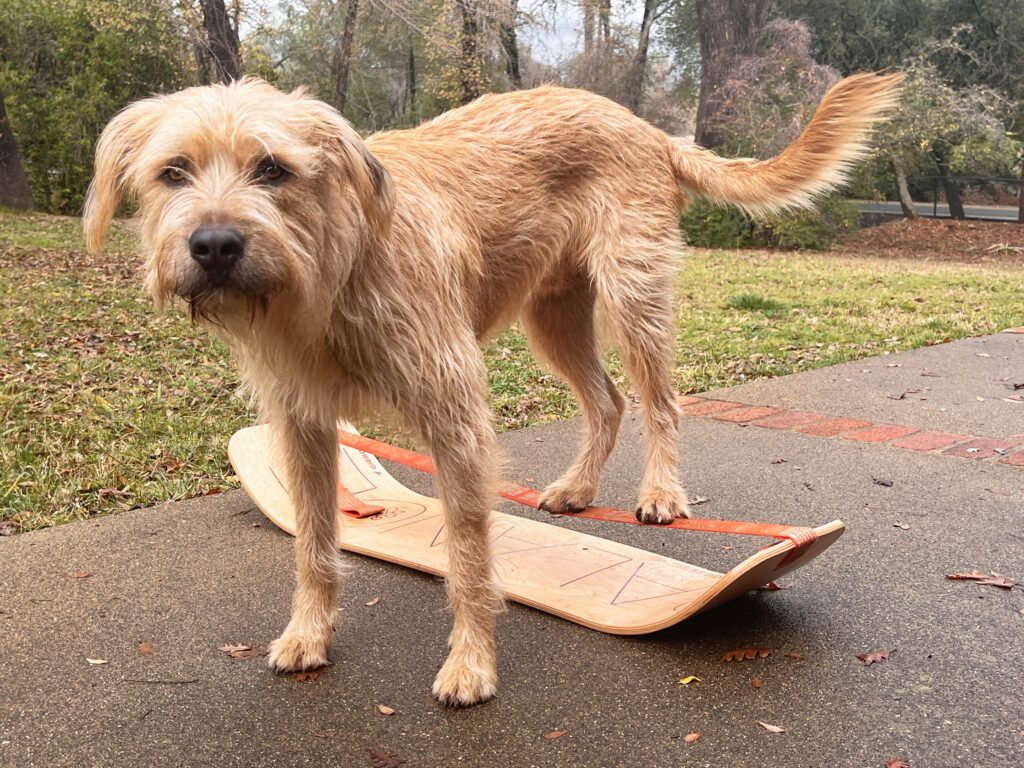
269	172
172	174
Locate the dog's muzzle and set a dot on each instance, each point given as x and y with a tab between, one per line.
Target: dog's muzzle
216	250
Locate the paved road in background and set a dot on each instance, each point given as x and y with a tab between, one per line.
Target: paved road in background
988	212
188	577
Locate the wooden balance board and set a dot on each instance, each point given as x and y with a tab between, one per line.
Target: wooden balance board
598	583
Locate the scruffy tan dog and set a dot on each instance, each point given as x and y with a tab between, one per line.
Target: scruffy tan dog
349	276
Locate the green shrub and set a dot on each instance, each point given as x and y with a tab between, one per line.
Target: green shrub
813	230
708	225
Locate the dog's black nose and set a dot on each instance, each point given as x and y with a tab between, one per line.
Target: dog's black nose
216	248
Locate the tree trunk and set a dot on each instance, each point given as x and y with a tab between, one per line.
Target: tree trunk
589	18
1020	192
223	40
956	208
15	191
728	30
509	44
470	65
906	202
343	56
410	77
604	20
638	69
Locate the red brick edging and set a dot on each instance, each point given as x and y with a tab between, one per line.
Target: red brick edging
821	425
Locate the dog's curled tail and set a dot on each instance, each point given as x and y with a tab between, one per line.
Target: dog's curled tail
815	163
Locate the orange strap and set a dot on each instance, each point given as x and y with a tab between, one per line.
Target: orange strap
350	504
801	537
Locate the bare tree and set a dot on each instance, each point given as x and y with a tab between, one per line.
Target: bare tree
15	191
507	38
653	10
222	38
589	17
604	21
470	62
728	30
343	55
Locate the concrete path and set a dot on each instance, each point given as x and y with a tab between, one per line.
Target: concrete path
188	577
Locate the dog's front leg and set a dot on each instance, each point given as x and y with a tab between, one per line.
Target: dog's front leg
310	454
464	453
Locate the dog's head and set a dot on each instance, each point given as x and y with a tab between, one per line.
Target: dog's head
244	193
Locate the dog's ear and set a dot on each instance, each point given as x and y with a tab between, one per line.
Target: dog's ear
116	152
369	178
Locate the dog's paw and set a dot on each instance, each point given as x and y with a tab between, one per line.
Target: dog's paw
662	506
294	652
558	499
462	684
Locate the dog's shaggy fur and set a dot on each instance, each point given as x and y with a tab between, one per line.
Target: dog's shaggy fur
371	270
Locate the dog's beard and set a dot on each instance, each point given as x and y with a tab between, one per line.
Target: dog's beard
241	296
215	306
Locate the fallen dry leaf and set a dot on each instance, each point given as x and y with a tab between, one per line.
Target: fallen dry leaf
756	682
307	675
773	586
385	710
967	576
998	580
902	526
874	657
896	763
242	651
373	602
691	737
882	482
145	649
794	655
746	654
689	679
555	735
698	500
771	728
778	460
98	662
81	574
992	579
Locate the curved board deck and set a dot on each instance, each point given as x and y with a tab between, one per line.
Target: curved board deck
600	584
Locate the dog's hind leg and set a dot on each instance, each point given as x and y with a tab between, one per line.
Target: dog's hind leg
451	414
310	454
635	298
560	326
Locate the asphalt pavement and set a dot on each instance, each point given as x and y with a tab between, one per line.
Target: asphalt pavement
185	578
940	211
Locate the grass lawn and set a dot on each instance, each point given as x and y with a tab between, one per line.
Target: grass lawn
106	405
